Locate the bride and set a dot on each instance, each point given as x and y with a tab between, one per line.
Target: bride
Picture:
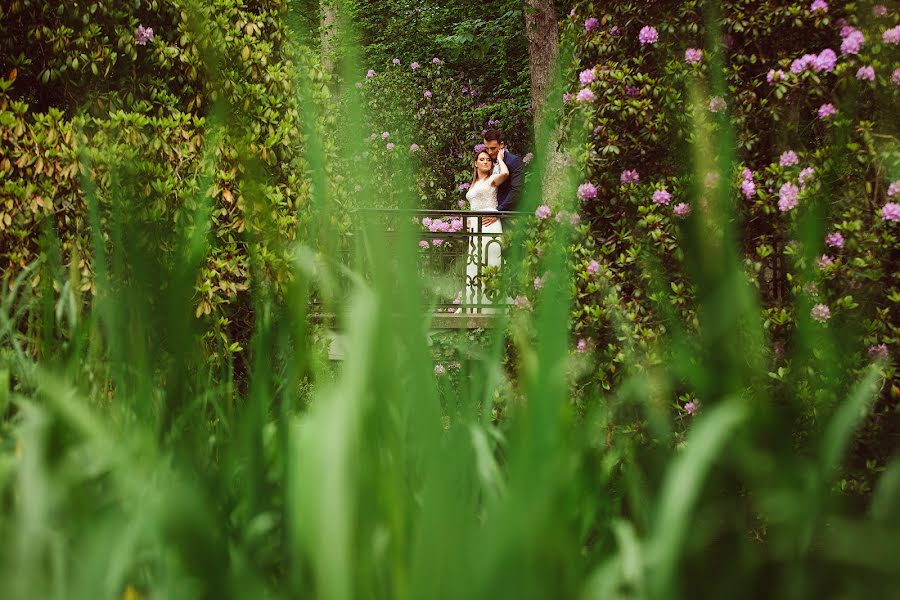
484	250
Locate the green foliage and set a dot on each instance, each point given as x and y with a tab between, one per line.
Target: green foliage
139	115
434	108
652	114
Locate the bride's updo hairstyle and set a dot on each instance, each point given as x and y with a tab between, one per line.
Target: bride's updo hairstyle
475	167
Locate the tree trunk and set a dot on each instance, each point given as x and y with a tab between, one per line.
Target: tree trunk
543	53
328	29
543	49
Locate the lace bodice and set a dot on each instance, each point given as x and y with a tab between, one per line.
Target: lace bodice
482	195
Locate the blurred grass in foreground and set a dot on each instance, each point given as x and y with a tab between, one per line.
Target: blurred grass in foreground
133	469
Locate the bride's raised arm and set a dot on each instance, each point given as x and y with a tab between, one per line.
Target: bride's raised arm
503	175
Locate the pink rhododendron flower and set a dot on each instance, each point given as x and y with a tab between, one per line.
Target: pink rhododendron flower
591	24
437	242
893	188
528	158
478	148
835	240
878	352
820	313
775	75
805	175
414	148
746	174
396	61
464	186
587	191
825	61
593	267
648	35
542	212
716	103
691	407
895	76
853	41
748	188
629	176
389	145
788	159
892	35
424	245
586	76
693	55
427	93
866	73
807	61
818	6
522	302
582	346
538	283
385	135
824	261
370	74
585	95
439	370
661	196
880	10
891	212
787	197
682	209
142	35
436	60
827	110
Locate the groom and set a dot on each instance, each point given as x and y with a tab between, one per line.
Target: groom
509	190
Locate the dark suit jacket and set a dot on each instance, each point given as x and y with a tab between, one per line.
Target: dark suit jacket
509	191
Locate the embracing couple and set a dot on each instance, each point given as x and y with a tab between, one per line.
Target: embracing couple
496	185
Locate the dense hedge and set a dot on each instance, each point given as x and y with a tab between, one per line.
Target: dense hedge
815	156
91	78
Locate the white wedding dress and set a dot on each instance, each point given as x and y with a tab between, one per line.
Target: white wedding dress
485	249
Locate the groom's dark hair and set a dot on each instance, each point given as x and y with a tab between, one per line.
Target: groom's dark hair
493	135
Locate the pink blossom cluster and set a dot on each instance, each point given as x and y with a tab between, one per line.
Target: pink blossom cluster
805	175
748	187
464	186
892	35
818	6
593	267
895	76
528	158
389	146
787	197
442	226
827	110
853	40
414	65
788	158
682	209
878	352
370	73
825	61
691	407
894	188
591	24
824	261
572	219
891	212
716	104
142	35
879	10
648	35
586	76
582	346
693	56
629	176
866	73
661	196
775	75
585	95
543	211
587	191
414	148
834	240
820	313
